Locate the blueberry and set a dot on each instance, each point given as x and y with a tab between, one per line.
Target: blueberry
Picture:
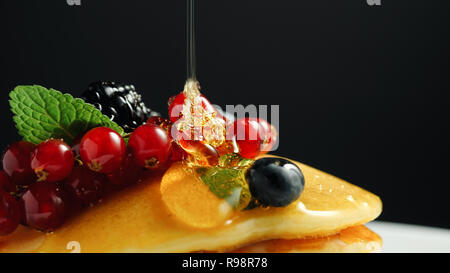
275	182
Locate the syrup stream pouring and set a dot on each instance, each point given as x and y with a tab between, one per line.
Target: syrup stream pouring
190	31
208	131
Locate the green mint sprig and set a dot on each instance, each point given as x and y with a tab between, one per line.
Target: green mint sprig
41	113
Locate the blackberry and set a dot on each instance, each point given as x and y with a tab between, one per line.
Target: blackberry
121	103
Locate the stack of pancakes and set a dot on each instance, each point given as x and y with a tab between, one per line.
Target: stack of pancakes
328	217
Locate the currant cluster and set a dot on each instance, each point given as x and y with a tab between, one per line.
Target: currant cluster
41	185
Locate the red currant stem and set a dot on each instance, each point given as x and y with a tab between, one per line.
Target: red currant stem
78	161
41	174
16	194
125	135
151	163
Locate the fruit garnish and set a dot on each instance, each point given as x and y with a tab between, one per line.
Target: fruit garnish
275	182
254	136
44	206
227	180
269	137
76	146
85	186
120	102
52	160
190	200
150	146
202	154
229	146
128	173
227	184
234	160
177	153
9	213
176	106
17	163
5	183
102	150
42	113
196	121
97	162
212	175
161	122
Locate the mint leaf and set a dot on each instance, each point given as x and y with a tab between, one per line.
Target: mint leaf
228	184
41	113
227	180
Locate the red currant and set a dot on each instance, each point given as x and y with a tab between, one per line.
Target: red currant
44	206
102	150
9	213
269	135
150	145
251	134
203	153
5	183
177	153
52	160
85	186
129	173
16	163
160	121
176	106
76	146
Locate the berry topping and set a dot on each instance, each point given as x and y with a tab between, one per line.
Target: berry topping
176	106
161	122
52	160
102	150
16	163
5	183
275	182
43	206
76	146
9	213
85	186
150	145
177	153
269	135
202	153
251	136
128	174
121	103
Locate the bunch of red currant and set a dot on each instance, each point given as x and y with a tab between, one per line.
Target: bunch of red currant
41	185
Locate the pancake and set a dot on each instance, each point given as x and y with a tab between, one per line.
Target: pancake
356	239
137	220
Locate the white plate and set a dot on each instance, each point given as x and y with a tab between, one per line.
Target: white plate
406	238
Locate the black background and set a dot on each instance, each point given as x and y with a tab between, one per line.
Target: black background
362	89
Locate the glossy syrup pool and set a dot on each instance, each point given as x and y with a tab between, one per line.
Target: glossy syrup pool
324	196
